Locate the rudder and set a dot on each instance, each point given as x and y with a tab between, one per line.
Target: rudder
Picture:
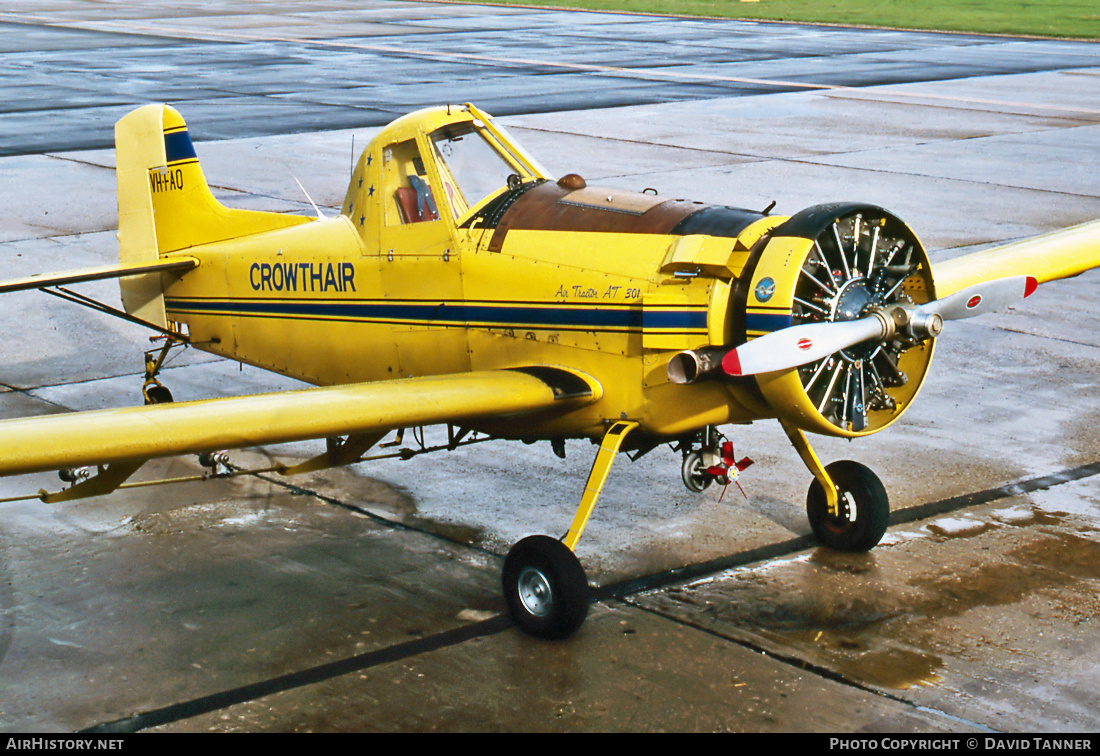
165	204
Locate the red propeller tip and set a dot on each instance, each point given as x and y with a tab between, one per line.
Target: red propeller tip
1030	287
731	363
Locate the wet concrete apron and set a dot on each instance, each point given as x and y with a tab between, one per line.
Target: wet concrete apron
367	599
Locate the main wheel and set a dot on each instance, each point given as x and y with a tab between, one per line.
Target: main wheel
864	509
545	588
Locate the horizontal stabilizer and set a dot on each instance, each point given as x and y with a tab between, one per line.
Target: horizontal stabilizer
179	264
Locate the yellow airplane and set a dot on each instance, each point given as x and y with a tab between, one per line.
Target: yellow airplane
463	285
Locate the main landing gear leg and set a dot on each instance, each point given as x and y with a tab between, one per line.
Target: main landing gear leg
544	583
847	504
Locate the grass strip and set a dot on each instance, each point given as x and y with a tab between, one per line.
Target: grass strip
1078	19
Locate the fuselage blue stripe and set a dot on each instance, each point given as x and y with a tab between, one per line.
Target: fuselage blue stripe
758	322
458	313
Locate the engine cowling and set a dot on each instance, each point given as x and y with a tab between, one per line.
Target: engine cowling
833	263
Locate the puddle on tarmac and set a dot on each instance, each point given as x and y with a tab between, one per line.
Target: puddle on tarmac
1023	517
894	620
390	501
1053	561
891	667
1069	555
959	527
247	499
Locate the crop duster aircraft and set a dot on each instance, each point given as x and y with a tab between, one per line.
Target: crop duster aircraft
463	285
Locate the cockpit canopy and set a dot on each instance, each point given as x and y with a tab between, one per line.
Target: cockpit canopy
472	165
439	163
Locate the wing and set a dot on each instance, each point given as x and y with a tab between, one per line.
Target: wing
128	437
1062	254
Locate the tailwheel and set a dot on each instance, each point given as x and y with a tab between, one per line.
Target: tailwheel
156	392
863	510
545	588
153	390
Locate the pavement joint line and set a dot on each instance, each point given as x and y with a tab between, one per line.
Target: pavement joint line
73	157
373	516
688	573
620	591
854	93
221	36
136	375
624	140
820	670
310	676
822	160
1062	339
29	393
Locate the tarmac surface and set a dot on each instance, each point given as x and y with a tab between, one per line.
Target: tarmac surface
367	599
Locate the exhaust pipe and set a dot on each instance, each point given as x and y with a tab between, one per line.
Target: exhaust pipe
695	364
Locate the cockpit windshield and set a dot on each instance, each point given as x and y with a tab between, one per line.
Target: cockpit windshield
471	165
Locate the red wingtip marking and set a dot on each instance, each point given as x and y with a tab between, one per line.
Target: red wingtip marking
1030	287
731	363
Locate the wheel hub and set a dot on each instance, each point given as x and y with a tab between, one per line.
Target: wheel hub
535	592
846	514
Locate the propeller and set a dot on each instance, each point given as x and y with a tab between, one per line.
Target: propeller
802	344
982	298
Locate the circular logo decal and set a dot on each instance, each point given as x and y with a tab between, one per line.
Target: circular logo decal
974	301
804	344
765	289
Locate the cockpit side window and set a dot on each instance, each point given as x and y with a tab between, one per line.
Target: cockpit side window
470	165
411	200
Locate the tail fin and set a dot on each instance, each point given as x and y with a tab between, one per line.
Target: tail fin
165	204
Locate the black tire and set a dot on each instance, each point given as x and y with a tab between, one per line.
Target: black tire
545	588
157	394
864	509
694	474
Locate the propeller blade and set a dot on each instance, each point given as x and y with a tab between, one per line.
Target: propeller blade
802	344
799	345
981	298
